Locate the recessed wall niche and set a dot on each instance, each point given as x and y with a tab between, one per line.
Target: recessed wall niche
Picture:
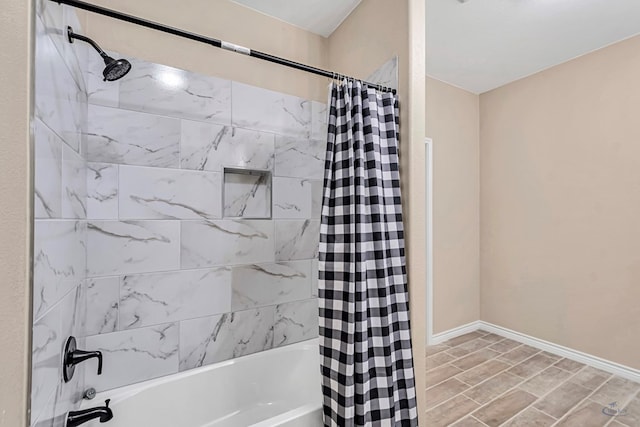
247	193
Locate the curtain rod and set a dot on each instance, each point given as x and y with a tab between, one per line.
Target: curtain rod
213	42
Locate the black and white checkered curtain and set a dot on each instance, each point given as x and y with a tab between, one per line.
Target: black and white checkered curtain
365	341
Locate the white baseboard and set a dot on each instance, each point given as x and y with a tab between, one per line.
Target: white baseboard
597	362
455	332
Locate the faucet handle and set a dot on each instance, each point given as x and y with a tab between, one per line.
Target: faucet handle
73	356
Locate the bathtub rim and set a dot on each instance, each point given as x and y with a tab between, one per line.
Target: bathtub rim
120	394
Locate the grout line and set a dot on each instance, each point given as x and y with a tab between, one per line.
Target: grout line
518	385
514	387
633	396
479	420
588	397
531	405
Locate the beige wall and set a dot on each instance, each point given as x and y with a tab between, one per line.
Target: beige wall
15	112
453	124
223	20
560	228
370	36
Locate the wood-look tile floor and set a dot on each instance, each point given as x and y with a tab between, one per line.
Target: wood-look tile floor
481	379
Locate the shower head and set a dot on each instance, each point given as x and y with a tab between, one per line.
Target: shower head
114	68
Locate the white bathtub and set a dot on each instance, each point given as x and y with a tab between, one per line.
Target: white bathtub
279	387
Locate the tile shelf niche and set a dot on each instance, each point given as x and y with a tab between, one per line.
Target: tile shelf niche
246	193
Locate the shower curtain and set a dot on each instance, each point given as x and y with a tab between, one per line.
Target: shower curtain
365	341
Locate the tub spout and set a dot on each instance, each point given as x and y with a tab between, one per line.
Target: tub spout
76	418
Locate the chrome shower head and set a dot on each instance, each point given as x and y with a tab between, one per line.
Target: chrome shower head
114	68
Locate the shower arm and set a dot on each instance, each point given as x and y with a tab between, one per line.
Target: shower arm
71	36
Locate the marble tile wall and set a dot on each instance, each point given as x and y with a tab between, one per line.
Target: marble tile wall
188	264
60	210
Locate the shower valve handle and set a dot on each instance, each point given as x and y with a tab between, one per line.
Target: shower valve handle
73	356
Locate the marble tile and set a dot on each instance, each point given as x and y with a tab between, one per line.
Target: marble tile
265	110
292	198
45	416
447	413
133	356
102	191
562	399
59	261
129	137
48	173
213	339
545	381
150	299
505	407
314	277
437	375
319	121
259	285
56	18
161	89
531	417
74	184
297	239
59	102
129	247
212	243
155	193
247	195
47	345
100	92
386	74
73	312
299	158
295	321
103	296
316	198
206	146
444	391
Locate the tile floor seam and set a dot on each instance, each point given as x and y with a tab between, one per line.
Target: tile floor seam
478	420
519	384
465	370
577	405
477	366
537	398
497	358
502	394
636	394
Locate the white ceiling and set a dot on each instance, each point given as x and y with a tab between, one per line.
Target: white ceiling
479	45
318	16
